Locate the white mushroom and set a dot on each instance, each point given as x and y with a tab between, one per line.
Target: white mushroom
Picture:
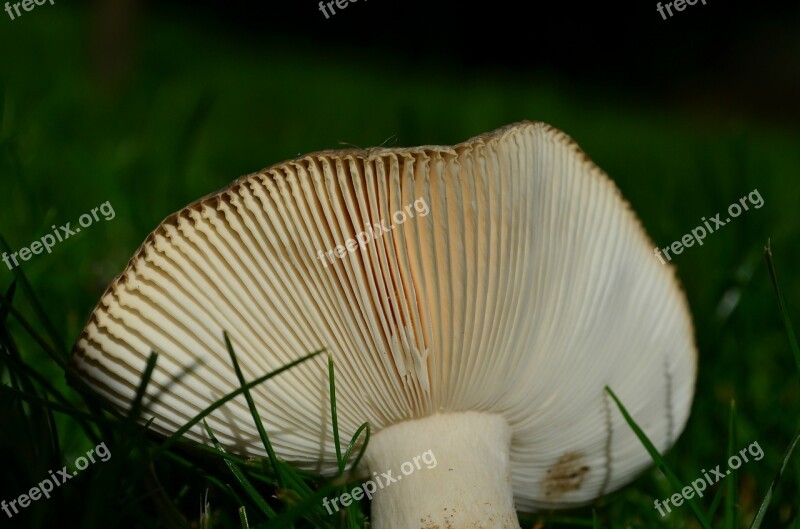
482	327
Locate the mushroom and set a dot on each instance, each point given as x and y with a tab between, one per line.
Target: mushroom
476	300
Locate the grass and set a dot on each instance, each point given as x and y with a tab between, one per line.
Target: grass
731	511
187	123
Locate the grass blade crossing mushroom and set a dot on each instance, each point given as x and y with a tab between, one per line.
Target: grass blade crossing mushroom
485	331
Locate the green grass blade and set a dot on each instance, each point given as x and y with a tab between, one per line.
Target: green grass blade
784	313
37	307
762	511
21	368
54	406
9	299
241	478
730	498
189	466
654	453
712	511
46	347
230	396
19	378
334	422
309	508
595	520
2	102
243	518
233	458
134	433
352	510
85	421
262	432
352	445
136	407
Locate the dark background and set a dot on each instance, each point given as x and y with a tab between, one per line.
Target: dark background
727	56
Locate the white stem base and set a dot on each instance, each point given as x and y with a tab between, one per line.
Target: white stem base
452	472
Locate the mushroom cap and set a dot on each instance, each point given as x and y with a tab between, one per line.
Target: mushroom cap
517	282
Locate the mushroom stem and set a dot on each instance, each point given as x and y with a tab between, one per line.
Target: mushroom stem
451	470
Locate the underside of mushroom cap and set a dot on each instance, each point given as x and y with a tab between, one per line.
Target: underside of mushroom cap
504	275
